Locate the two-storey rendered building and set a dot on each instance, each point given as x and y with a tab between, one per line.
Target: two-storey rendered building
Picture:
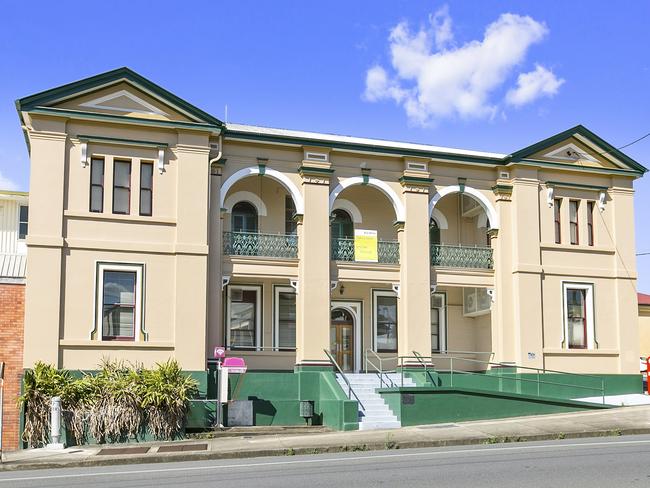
157	230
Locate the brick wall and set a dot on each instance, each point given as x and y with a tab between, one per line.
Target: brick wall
12	315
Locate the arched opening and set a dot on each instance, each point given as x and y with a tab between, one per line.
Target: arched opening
261	214
464	241
342	226
244	218
434	232
342	338
368	207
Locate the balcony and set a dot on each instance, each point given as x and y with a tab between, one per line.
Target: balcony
257	244
461	256
343	250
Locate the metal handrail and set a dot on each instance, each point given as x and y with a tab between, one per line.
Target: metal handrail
421	359
538	381
345	378
260	348
380	370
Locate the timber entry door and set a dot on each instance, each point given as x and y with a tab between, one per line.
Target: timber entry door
342	338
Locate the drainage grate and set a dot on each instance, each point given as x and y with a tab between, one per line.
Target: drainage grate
183	448
123	450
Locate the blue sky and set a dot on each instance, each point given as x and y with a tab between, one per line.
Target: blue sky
404	70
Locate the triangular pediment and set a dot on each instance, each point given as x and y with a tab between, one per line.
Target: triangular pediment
120	92
579	147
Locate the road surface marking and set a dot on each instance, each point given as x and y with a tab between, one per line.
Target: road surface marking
331	460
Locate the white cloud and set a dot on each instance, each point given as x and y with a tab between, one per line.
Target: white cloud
533	85
434	79
442	27
7	184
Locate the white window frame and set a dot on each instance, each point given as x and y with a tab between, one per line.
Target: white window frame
19	206
589	305
442	326
383	293
276	315
258	315
138	268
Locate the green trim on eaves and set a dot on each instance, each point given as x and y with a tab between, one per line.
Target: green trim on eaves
574	167
121	119
312	169
576	185
245	136
99	81
583	131
417	180
116	140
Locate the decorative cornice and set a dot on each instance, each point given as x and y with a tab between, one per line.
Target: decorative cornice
48	136
415	184
120	142
315	175
580	186
398	225
503	192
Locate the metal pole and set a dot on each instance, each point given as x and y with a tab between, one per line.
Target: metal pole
218	412
55	424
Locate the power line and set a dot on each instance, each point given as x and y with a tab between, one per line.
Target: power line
643	254
634	142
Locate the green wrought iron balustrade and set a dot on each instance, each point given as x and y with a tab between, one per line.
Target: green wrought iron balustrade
343	250
461	256
258	244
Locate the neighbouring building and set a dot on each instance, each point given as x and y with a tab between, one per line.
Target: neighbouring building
644	324
13	260
157	230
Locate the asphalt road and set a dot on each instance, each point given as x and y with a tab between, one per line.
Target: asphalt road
602	462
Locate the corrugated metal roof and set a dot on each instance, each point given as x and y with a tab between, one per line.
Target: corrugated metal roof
379	143
13	265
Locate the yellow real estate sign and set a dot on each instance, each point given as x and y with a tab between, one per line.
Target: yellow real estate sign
365	245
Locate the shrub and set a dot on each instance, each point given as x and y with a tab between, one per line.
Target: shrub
117	403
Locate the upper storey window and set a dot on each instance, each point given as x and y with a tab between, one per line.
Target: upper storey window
122	187
557	215
574	206
244	217
342	226
22	221
146	188
96	185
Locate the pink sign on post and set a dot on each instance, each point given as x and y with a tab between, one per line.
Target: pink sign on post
235	365
219	352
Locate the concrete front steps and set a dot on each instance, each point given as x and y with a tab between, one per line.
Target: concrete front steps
376	415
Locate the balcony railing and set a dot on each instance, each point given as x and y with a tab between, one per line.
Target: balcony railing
257	244
343	250
461	256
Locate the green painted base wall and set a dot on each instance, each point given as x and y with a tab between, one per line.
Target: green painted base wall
421	405
556	385
276	398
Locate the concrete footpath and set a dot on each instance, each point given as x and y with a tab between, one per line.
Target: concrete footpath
612	422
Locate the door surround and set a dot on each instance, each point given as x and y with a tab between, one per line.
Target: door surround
354	307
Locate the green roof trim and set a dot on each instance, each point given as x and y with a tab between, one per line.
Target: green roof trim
315	170
583	131
14	193
232	134
123	119
416	180
577	185
116	140
573	167
108	78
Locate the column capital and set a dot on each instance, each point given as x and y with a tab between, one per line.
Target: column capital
503	192
315	175
415	184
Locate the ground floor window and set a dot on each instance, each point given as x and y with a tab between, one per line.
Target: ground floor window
119	301
438	322
385	320
284	324
243	316
578	315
